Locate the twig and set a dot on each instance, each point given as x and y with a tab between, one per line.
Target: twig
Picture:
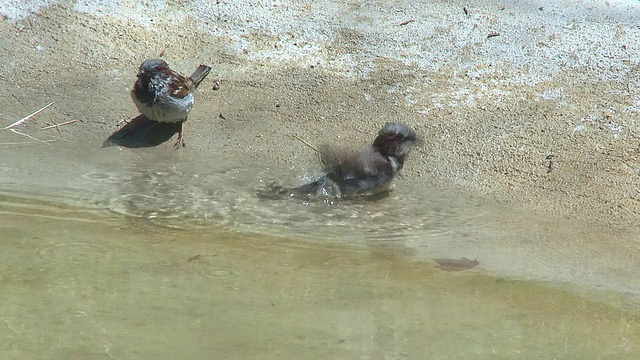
57	138
221	119
493	34
550	166
630	99
318	152
306	143
58	125
29	136
125	121
27	142
55	124
406	22
26	118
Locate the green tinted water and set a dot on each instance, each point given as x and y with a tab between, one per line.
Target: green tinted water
81	283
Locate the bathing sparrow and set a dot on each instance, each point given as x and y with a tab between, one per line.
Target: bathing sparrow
163	95
365	174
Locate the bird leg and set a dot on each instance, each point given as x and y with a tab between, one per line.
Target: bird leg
180	142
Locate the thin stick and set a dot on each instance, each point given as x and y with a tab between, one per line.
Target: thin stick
318	153
306	143
29	136
58	125
123	121
26	142
57	138
26	118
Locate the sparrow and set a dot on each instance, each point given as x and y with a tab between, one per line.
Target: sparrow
365	174
164	95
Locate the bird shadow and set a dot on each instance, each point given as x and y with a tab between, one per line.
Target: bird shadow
142	132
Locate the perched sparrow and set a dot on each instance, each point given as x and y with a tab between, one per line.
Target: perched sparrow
163	95
364	174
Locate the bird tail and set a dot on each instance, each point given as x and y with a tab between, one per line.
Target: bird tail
201	72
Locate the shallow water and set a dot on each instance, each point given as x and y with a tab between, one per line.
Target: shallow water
158	259
415	221
81	284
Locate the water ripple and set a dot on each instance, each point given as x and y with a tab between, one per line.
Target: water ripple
177	201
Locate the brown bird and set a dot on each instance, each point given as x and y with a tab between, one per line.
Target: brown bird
164	95
364	174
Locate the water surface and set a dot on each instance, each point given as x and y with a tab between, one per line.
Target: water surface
149	260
